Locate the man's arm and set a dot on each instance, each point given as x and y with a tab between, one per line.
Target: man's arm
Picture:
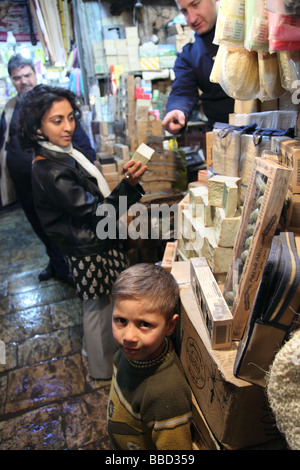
184	94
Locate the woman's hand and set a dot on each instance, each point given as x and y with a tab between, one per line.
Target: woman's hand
133	172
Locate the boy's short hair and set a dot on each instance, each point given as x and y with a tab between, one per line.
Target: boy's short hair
150	282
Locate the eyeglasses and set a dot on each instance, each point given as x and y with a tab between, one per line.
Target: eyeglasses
18	78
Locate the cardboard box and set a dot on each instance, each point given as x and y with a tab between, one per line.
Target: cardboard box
236	411
149	63
202	435
131	33
211	304
264	201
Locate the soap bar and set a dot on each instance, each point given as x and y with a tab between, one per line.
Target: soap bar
143	154
196	199
216	188
226	228
218	257
209	212
231	198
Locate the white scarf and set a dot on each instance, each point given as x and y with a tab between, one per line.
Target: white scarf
83	161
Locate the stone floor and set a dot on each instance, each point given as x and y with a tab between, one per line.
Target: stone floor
47	398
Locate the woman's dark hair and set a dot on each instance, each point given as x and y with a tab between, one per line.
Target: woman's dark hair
33	106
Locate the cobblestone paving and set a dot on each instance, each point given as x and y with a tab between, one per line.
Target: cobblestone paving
47	398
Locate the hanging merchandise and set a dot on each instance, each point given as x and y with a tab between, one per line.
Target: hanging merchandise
239	74
284	29
87	17
284	32
75	75
230	23
289	66
269	77
256	25
47	15
285	7
75	82
65	23
215	71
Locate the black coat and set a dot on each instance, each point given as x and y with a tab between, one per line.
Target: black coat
66	198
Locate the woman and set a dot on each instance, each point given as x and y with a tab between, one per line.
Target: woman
68	189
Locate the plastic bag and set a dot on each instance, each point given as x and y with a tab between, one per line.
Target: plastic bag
285	7
256	25
275	45
215	71
239	76
230	23
284	27
289	67
269	77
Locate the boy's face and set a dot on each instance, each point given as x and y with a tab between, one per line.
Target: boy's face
140	333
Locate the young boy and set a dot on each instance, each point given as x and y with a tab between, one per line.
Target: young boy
150	401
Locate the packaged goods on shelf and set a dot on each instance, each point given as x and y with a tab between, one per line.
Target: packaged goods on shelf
211	304
264	201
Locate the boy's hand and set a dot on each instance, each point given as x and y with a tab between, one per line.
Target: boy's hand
133	172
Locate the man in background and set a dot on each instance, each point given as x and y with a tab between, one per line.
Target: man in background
192	70
16	164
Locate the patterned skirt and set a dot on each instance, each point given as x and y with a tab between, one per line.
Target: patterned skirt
94	275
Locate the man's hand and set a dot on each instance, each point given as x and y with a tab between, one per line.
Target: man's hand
174	121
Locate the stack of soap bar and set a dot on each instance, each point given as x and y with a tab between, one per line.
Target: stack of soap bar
226	228
200	206
216	185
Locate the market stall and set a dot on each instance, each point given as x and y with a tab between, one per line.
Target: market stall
232	193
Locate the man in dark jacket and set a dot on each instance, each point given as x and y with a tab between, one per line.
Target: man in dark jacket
16	164
192	70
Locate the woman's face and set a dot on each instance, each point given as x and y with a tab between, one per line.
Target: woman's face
58	124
